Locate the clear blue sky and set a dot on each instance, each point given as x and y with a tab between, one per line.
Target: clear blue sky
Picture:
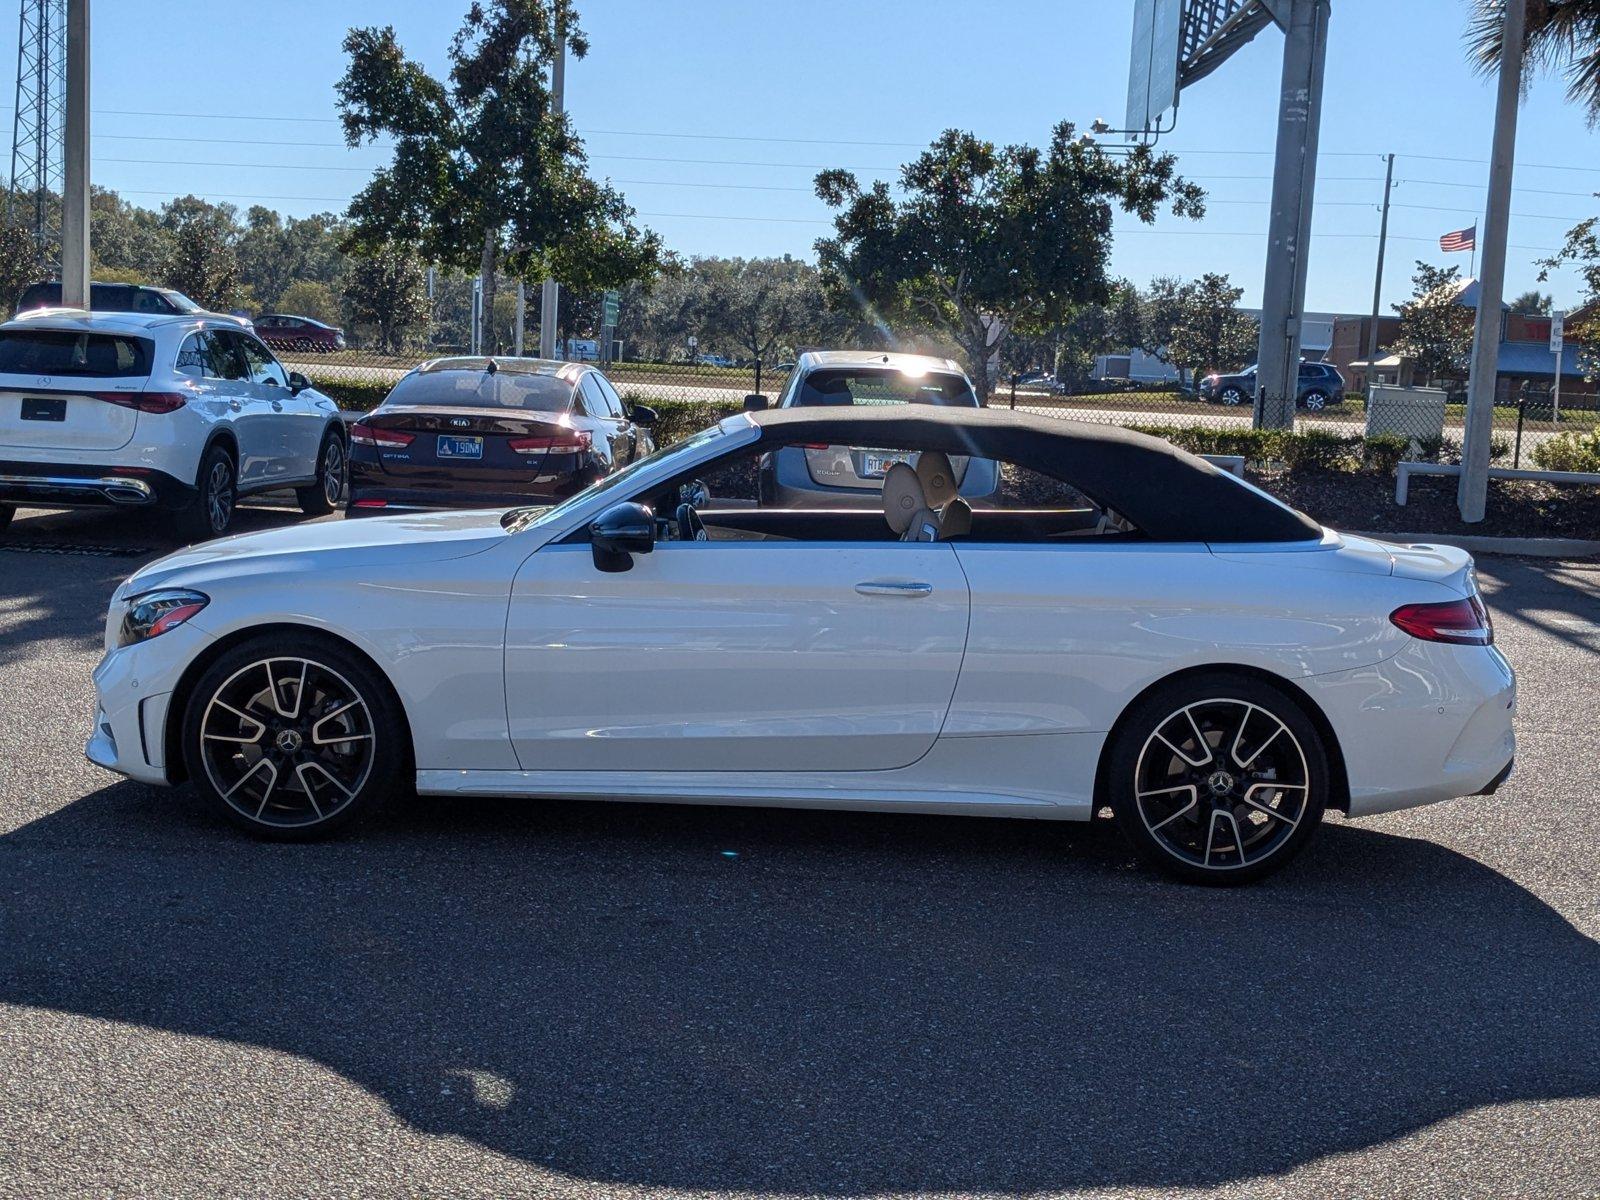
754	97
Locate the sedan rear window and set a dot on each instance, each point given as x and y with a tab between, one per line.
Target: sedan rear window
483	389
848	386
65	352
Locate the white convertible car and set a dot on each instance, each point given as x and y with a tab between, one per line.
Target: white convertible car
1122	627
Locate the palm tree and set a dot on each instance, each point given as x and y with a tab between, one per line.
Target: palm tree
1563	36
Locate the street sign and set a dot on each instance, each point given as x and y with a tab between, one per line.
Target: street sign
608	308
1557	331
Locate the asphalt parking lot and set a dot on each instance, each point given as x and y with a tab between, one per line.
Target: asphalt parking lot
579	999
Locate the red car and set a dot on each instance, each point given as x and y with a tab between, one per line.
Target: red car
284	332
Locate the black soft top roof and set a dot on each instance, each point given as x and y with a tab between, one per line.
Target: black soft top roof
1169	494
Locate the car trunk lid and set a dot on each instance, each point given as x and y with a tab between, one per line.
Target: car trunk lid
67	418
489	446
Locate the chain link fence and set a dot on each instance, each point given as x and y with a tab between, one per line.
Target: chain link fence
694	393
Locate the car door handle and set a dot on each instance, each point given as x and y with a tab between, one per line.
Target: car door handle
886	587
235	405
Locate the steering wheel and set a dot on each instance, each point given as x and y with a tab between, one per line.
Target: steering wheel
690	527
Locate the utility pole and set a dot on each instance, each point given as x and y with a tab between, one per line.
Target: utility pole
1472	494
75	187
1377	283
550	296
1294	178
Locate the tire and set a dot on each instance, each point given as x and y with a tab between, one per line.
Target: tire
217	496
335	746
333	469
6	513
1314	401
1239	813
1231	396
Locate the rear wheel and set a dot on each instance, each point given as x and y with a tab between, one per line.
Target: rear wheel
322	497
1231	396
6	513
1218	779
1315	401
292	738
217	494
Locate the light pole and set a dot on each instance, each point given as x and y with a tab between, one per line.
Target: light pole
550	295
1377	283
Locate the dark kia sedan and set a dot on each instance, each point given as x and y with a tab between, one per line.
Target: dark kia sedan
491	433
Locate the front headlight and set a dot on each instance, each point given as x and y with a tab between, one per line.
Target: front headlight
154	613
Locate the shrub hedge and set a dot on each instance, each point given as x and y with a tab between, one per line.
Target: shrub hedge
1569	452
353	396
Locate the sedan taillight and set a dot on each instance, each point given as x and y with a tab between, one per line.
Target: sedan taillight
389	439
149	402
565	443
1456	622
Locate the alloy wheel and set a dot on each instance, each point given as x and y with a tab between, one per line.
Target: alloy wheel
1232	396
1316	401
219	495
332	472
1221	784
287	742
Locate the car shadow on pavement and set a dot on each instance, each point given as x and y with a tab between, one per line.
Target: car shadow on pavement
829	1004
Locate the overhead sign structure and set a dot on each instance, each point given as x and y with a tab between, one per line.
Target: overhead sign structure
1153	65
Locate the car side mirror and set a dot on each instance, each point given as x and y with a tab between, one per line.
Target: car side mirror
298	382
619	533
755	403
643	415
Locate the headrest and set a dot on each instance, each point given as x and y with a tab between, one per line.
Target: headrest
938	477
955	520
902	497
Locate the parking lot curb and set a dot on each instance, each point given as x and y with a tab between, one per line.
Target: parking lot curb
1524	547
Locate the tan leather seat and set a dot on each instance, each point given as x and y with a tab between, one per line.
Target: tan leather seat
906	508
938	478
955	520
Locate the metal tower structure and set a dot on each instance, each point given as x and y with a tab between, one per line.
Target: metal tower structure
37	145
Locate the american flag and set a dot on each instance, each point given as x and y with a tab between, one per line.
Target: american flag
1459	240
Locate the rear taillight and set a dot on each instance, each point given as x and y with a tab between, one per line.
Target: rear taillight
389	439
1458	622
563	443
369	504
149	402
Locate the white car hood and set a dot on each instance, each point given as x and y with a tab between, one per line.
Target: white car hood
340	544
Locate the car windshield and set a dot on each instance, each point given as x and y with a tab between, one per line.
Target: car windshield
180	302
843	386
519	519
483	389
65	352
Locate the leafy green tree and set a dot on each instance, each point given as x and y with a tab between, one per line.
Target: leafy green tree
1096	329
1581	250
309	298
1211	334
20	264
985	239
126	241
1533	303
386	289
485	176
202	259
1562	36
1435	330
755	306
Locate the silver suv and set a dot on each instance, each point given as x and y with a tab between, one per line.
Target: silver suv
852	476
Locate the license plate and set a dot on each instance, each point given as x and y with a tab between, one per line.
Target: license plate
460	447
38	408
875	466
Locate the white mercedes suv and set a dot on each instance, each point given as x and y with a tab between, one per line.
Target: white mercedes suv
185	413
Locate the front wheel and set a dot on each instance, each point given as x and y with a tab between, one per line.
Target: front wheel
1232	397
293	738
1218	779
1315	401
6	513
322	497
